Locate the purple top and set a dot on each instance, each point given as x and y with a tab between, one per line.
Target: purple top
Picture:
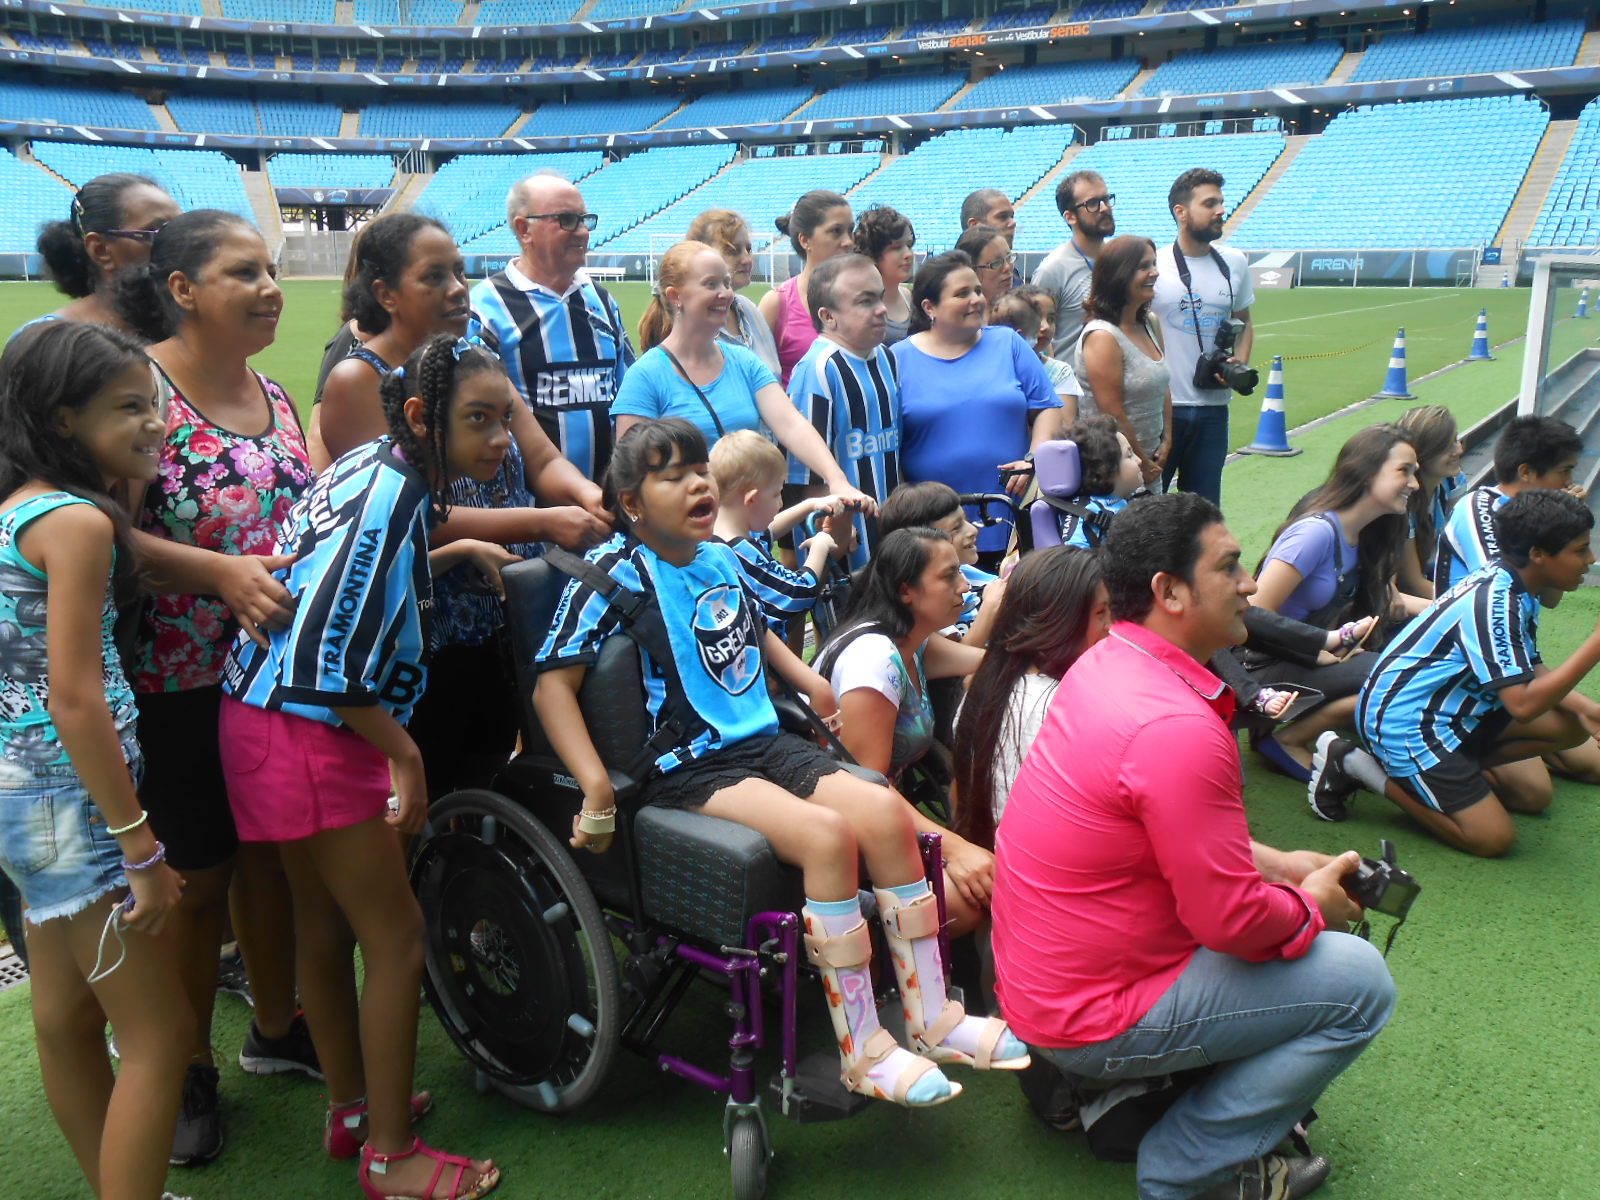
795	330
1307	546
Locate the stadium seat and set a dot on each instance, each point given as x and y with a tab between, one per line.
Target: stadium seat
460	119
32	198
1504	46
1570	215
748	106
62	104
194	178
1243	69
554	119
911	93
331	170
468	193
1051	83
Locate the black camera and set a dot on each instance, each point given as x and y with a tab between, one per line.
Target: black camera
1239	377
1378	885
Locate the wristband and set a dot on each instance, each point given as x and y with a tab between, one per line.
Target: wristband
159	856
597	821
144	816
834	724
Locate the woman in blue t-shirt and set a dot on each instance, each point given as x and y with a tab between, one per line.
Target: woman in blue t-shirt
685	371
1332	566
731	761
974	400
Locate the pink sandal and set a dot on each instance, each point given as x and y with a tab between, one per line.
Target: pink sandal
343	1132
378	1164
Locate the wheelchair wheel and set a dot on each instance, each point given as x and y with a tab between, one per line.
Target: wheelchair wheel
519	962
747	1157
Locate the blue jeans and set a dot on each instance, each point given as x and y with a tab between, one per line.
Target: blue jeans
1278	1033
1199	446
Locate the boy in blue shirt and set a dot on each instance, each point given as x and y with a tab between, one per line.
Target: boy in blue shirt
1460	706
749	471
1533	452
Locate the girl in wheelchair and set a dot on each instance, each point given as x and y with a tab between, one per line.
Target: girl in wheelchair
733	762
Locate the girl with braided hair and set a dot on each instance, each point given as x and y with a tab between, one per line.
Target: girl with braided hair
315	726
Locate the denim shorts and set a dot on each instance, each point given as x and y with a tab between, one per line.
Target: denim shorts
54	844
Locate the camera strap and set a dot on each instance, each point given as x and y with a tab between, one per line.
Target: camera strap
1187	280
1363	930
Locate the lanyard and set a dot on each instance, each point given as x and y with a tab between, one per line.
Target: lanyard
1182	264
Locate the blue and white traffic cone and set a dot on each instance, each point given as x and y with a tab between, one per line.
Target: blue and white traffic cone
1394	383
1480	339
1505	280
1272	432
1583	305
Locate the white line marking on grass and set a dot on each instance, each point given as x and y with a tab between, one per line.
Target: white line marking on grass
1346	312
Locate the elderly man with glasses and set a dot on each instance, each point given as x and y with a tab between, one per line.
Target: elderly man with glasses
558	332
1088	209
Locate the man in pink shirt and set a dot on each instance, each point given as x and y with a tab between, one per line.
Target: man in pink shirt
1138	930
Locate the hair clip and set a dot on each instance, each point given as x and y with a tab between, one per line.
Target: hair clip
398	373
462	346
77	214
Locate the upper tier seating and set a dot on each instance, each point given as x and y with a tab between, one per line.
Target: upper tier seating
759	188
929	184
1372	179
710	50
1243	69
194	178
749	106
214	114
61	104
299	12
886	94
32	197
527	12
1105	10
461	119
948	27
861	36
299	118
414	12
468	193
625	192
554	119
1052	83
1571	212
1025	18
183	8
1507	46
784	43
1139	172
331	170
616	10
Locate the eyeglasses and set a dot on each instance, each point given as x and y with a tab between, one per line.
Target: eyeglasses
1098	202
147	236
567	220
999	264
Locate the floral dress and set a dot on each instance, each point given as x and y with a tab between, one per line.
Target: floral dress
221	491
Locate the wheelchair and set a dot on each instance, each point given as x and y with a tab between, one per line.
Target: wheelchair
541	962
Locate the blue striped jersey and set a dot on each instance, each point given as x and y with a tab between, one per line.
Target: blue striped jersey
1467	541
1101	510
1442	675
566	355
781	592
854	403
1439	502
713	622
362	593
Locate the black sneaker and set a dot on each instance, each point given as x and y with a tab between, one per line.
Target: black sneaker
199	1136
1331	785
293	1051
1275	1177
232	979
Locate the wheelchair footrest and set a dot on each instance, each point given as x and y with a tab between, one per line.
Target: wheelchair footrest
818	1093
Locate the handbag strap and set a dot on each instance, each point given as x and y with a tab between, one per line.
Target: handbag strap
715	420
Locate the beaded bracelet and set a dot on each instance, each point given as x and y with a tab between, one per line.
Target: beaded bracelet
159	856
598	821
144	816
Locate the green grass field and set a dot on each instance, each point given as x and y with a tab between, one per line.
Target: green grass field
1474	1092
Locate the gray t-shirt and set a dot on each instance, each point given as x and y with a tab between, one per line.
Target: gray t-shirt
1065	274
1144	387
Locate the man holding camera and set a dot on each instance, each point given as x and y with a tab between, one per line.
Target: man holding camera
1138	930
1203	298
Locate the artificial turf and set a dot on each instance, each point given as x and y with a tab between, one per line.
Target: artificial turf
1475	1091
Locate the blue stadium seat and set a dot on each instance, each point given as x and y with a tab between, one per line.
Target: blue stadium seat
1139	172
300	12
886	94
749	106
1025	18
948	27
1051	83
468	193
1372	178
1105	10
195	178
416	12
554	119
785	43
61	104
709	50
612	10
214	114
461	119
524	12
32	198
626	192
331	170
1504	46
1570	215
1243	69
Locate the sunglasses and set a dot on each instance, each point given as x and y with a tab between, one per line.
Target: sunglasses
568	220
147	236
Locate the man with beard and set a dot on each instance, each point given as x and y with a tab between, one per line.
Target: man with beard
1086	206
1201	286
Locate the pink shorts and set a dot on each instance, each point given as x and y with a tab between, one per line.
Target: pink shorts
290	777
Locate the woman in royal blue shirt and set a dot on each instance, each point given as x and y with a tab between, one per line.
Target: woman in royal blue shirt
974	399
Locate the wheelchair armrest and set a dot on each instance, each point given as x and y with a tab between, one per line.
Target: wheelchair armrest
866	773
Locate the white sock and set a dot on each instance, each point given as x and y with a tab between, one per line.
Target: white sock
1366	770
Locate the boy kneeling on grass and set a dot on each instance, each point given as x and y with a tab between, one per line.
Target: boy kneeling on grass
1460	701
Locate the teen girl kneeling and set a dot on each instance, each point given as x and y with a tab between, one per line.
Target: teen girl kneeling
739	766
315	725
78	416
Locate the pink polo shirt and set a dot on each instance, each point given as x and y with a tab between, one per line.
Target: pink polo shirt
1124	848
